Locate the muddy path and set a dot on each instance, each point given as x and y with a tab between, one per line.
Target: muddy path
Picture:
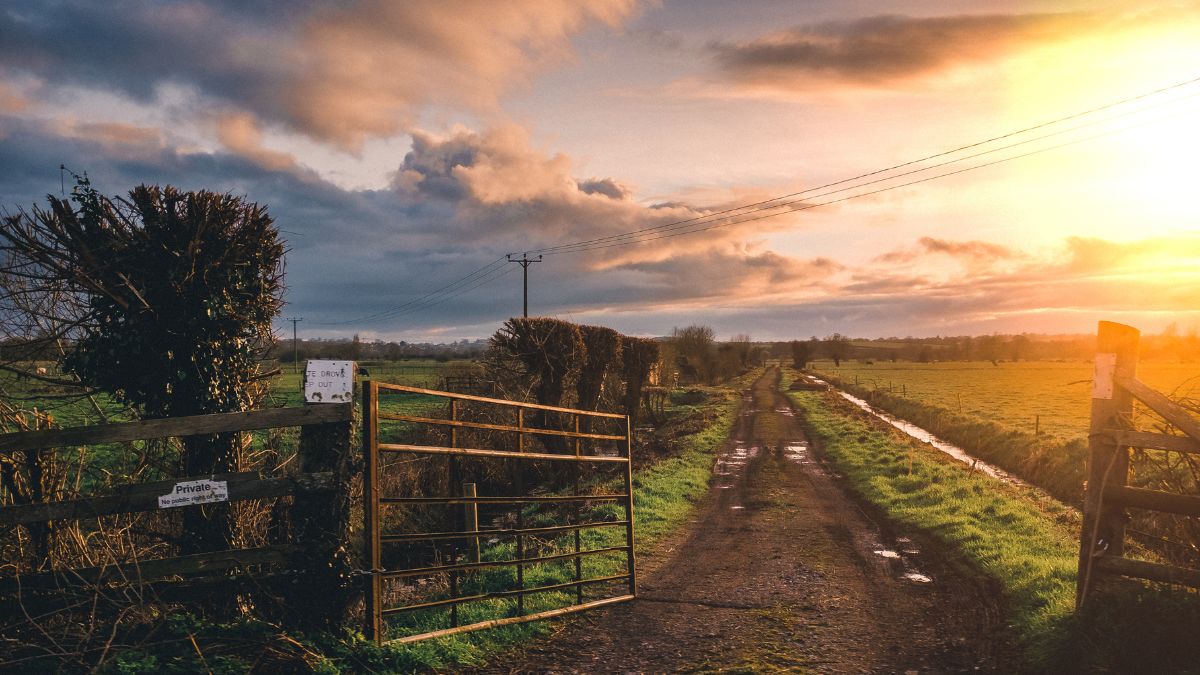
781	570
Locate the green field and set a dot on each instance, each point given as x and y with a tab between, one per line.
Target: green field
1053	396
1022	540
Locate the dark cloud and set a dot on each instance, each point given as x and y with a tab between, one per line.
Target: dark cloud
335	71
457	203
881	49
607	187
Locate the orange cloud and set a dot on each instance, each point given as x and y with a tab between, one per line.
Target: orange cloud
240	134
364	67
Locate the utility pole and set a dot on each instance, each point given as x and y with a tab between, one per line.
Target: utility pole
295	345
525	262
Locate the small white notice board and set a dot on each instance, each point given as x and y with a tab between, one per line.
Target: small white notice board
1102	380
329	382
190	492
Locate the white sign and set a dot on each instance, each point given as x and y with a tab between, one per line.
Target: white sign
191	492
1102	380
329	382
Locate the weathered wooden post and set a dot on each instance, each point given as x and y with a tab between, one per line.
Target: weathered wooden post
1103	531
321	520
471	523
372	555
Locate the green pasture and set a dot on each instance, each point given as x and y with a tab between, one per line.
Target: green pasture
1053	397
1026	542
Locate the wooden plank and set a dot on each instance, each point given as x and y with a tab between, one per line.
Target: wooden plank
1165	407
498	427
1141	569
144	496
373	591
1153	500
473	452
383	386
177	426
1150	441
148	570
1108	463
495	623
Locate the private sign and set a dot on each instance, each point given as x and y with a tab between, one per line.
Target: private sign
328	382
187	493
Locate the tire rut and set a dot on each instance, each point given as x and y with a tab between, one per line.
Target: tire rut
781	570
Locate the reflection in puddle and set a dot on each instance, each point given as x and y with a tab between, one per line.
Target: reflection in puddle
904	564
796	453
736	508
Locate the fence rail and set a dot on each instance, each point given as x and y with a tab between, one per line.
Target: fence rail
465	560
1114	390
324	445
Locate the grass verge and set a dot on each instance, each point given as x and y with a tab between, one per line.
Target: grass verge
666	492
1055	465
1028	545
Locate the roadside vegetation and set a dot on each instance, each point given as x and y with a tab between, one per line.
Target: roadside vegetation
697	421
1026	542
929	396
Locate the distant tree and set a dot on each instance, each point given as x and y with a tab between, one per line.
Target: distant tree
696	350
801	354
165	299
838	348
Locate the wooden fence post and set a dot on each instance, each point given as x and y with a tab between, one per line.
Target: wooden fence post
321	526
1103	531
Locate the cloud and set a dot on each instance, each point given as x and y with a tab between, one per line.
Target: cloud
500	189
240	133
457	202
975	250
974	255
336	72
1084	280
881	50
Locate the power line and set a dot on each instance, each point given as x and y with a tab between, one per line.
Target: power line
767	203
489	268
295	345
779	205
525	262
804	205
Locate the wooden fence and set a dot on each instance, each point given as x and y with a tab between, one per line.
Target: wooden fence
320	508
1111	436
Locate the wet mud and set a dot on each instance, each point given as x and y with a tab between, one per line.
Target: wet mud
781	570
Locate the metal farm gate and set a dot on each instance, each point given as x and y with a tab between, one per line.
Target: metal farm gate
447	558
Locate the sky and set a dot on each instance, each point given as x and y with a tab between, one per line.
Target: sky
937	168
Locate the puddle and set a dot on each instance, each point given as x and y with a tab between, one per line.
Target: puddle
736	508
926	437
901	559
796	453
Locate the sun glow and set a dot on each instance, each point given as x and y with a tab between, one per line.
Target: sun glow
1127	172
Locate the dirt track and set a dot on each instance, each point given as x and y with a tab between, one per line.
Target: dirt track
781	570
